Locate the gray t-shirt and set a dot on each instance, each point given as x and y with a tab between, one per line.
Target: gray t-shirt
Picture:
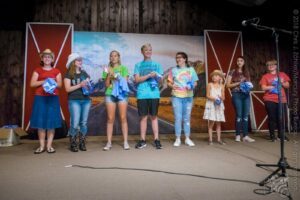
78	78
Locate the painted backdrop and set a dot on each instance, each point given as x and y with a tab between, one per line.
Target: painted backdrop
95	48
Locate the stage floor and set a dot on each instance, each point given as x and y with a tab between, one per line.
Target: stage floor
25	175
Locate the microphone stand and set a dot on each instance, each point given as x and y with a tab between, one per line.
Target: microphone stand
282	164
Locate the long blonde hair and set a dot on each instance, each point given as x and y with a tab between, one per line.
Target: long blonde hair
119	62
72	70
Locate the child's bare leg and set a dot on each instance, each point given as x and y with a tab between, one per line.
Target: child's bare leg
210	130
218	129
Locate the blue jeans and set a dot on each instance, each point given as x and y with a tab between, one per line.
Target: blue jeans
241	103
182	108
79	112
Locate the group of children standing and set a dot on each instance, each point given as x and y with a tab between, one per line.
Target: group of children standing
148	74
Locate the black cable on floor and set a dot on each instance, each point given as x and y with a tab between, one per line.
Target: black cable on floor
166	172
265	191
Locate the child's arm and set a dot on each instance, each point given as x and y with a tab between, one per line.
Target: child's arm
223	93
266	87
285	81
170	83
195	84
34	80
139	78
285	84
69	88
208	88
58	80
161	80
229	83
110	73
264	84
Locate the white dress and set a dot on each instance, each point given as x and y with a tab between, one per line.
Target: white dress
212	111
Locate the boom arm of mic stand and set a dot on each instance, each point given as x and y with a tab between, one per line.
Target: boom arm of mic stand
260	27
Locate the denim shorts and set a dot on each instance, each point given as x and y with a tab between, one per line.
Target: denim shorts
112	99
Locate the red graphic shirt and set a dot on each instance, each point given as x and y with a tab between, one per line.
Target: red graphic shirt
267	80
43	75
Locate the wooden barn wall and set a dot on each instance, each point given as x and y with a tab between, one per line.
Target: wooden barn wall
11	77
127	16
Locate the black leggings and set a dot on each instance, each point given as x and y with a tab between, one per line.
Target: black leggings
273	117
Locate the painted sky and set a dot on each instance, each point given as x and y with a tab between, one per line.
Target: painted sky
96	46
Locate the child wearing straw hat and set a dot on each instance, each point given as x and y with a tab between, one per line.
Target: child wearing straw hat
214	107
46	107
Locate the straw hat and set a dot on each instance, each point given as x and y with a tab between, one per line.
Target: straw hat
72	57
217	72
47	52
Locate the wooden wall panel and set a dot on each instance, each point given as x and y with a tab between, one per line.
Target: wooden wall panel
11	77
131	16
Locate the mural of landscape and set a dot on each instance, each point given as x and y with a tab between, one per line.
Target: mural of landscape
95	48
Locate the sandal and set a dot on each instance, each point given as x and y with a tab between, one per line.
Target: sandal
39	150
51	150
221	142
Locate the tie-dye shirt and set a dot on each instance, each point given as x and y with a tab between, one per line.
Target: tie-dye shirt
180	76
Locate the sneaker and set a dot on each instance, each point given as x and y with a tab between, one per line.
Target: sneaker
189	142
272	138
285	139
248	139
141	144
126	146
157	144
177	142
210	143
107	147
237	138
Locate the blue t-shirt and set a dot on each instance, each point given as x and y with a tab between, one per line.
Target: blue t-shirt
144	89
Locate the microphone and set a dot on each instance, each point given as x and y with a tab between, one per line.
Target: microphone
249	21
